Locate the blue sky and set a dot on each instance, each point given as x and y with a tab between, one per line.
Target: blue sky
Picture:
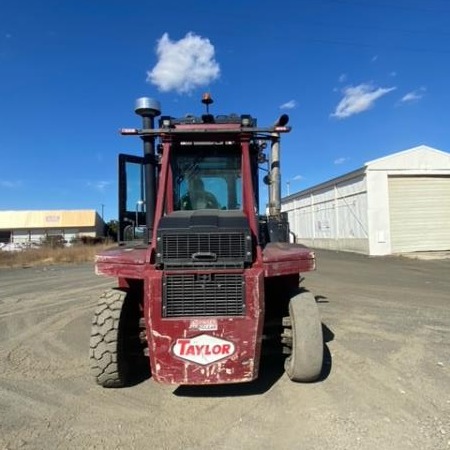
359	78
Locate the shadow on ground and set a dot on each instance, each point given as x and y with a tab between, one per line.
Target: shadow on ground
328	336
141	372
270	371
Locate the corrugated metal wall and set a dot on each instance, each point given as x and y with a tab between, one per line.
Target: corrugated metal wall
334	216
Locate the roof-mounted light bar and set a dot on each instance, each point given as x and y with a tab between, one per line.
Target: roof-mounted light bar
202	130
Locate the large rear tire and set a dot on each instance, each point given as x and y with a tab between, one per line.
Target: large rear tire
115	348
303	334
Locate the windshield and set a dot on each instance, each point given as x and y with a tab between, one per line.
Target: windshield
207	177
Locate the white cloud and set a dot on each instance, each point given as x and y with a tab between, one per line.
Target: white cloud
99	185
374	58
340	160
11	184
289	105
183	65
342	77
413	96
298	178
358	99
393	74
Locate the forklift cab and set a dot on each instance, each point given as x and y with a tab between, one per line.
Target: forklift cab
200	176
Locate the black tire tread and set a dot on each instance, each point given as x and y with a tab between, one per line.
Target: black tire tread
305	362
107	365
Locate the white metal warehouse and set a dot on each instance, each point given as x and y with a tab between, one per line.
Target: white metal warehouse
35	226
396	204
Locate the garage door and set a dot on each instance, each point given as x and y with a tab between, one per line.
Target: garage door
5	236
419	213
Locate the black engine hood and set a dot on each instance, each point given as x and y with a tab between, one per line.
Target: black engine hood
204	220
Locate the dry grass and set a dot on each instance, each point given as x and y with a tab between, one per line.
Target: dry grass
49	256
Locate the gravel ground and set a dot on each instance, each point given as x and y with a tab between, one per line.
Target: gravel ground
385	384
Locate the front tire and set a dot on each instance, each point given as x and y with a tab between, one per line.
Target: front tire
303	333
115	349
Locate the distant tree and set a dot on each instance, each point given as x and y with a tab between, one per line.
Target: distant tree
112	229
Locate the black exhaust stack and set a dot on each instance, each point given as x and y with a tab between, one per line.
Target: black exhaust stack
148	109
275	170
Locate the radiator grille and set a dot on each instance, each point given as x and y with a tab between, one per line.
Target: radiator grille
225	246
203	295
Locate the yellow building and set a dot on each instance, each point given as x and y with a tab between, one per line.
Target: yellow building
36	226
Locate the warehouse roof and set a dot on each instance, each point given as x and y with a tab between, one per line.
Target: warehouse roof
47	219
421	157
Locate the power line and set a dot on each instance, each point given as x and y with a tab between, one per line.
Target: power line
377	28
391	6
378	46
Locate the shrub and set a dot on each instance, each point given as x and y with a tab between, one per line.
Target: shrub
47	255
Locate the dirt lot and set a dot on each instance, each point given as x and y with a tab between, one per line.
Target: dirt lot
385	385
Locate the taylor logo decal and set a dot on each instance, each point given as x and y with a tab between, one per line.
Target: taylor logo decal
203	349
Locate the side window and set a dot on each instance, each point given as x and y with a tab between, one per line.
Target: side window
135	187
131	197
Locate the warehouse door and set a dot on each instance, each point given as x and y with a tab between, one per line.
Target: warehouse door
419	210
5	236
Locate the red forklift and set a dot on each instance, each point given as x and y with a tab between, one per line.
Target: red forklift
202	276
